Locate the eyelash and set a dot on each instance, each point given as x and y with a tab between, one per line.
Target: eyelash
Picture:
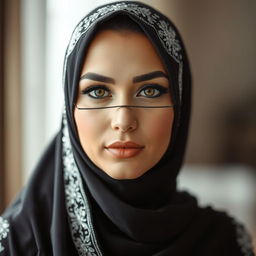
161	90
94	89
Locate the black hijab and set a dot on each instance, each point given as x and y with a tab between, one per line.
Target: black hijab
71	207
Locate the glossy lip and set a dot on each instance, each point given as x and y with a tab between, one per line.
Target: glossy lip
124	149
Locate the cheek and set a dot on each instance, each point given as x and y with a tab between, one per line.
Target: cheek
160	125
87	130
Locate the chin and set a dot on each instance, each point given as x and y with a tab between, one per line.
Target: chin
124	175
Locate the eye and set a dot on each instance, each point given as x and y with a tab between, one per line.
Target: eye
152	91
97	92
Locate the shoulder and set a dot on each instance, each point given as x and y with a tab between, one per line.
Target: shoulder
227	234
243	238
20	226
27	221
15	230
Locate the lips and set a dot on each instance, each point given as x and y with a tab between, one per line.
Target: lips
122	150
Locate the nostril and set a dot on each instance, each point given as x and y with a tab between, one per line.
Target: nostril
123	120
126	127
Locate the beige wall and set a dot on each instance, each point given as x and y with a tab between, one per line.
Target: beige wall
221	42
12	84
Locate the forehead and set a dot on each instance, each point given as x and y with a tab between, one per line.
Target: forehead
119	49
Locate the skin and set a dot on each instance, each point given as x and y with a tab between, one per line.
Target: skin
122	56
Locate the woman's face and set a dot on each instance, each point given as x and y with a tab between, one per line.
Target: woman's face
123	68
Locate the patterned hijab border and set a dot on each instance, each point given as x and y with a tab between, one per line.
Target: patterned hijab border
78	210
164	31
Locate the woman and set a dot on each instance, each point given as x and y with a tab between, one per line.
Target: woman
107	183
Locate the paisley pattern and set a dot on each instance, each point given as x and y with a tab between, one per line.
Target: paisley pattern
4	230
78	209
165	32
76	203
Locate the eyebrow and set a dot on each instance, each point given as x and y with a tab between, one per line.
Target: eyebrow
97	77
136	79
149	76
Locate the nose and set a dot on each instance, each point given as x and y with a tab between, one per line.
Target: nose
124	120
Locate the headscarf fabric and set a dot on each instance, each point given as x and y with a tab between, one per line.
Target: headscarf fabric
71	207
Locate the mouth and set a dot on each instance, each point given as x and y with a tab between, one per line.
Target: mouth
123	150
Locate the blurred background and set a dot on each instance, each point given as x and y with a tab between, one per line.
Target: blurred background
220	38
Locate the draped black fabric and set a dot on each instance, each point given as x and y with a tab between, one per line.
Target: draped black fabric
71	207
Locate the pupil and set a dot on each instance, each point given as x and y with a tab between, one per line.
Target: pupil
150	91
100	92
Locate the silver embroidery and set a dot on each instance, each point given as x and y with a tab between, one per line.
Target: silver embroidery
165	32
76	203
168	35
243	239
4	230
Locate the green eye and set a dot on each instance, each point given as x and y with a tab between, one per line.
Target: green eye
152	91
97	92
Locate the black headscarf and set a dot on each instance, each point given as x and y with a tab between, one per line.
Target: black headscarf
71	207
